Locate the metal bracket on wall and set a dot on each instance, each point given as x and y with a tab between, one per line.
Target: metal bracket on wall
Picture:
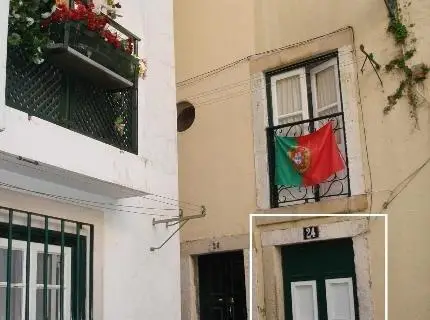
181	220
376	66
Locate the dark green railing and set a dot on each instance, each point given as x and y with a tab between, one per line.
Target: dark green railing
77	90
24	236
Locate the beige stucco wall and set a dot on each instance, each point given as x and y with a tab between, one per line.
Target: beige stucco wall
219	144
20	201
216	155
216	160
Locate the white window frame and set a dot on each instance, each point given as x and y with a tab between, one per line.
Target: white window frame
36	248
313	72
301	72
330	298
297	284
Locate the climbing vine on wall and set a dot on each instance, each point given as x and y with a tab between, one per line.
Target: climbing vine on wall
411	75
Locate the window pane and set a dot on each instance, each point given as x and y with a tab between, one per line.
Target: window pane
54	268
289	95
326	87
328	111
17	261
53	307
291	119
15	306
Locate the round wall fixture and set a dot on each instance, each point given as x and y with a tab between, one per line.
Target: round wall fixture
186	115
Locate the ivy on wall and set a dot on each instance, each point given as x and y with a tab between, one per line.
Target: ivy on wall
411	75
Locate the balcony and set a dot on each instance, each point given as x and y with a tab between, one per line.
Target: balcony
338	185
85	85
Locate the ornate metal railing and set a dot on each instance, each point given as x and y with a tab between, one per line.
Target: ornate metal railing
46	267
92	91
335	186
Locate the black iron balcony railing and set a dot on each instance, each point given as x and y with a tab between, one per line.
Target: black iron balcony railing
336	186
86	84
46	267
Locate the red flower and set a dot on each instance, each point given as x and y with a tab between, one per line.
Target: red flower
93	21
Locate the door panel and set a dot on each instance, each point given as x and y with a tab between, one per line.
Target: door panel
304	300
222	292
340	299
324	270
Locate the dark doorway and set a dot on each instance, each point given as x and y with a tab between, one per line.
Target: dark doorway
222	293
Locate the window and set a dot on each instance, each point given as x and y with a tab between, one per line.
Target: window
305	93
303	98
44	273
36	280
289	97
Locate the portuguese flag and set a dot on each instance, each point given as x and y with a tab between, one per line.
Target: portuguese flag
307	160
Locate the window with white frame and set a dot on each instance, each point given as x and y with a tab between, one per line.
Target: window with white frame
303	98
306	92
18	281
45	268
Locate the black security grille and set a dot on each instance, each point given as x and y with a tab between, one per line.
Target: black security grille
46	267
337	185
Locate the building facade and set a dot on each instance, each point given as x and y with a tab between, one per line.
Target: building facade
88	160
251	70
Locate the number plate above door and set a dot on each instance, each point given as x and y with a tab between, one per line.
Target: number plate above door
312	232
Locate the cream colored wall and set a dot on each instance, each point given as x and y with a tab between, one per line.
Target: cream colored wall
210	34
20	201
219	144
216	160
216	163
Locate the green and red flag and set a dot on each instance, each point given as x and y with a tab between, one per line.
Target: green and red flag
307	160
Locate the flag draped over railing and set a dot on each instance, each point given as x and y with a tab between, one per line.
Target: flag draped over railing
307	160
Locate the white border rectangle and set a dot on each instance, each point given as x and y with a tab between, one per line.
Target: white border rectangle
251	248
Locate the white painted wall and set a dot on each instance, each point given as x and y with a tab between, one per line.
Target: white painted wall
137	284
40	140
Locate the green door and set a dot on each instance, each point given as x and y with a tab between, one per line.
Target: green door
320	281
222	293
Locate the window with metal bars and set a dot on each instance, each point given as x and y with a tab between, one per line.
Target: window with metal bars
302	98
46	267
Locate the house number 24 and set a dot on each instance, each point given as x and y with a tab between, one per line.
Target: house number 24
311	232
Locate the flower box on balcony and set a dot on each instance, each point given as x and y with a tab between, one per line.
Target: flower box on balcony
85	53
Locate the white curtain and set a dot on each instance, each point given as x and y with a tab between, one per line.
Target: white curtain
328	102
326	92
289	99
